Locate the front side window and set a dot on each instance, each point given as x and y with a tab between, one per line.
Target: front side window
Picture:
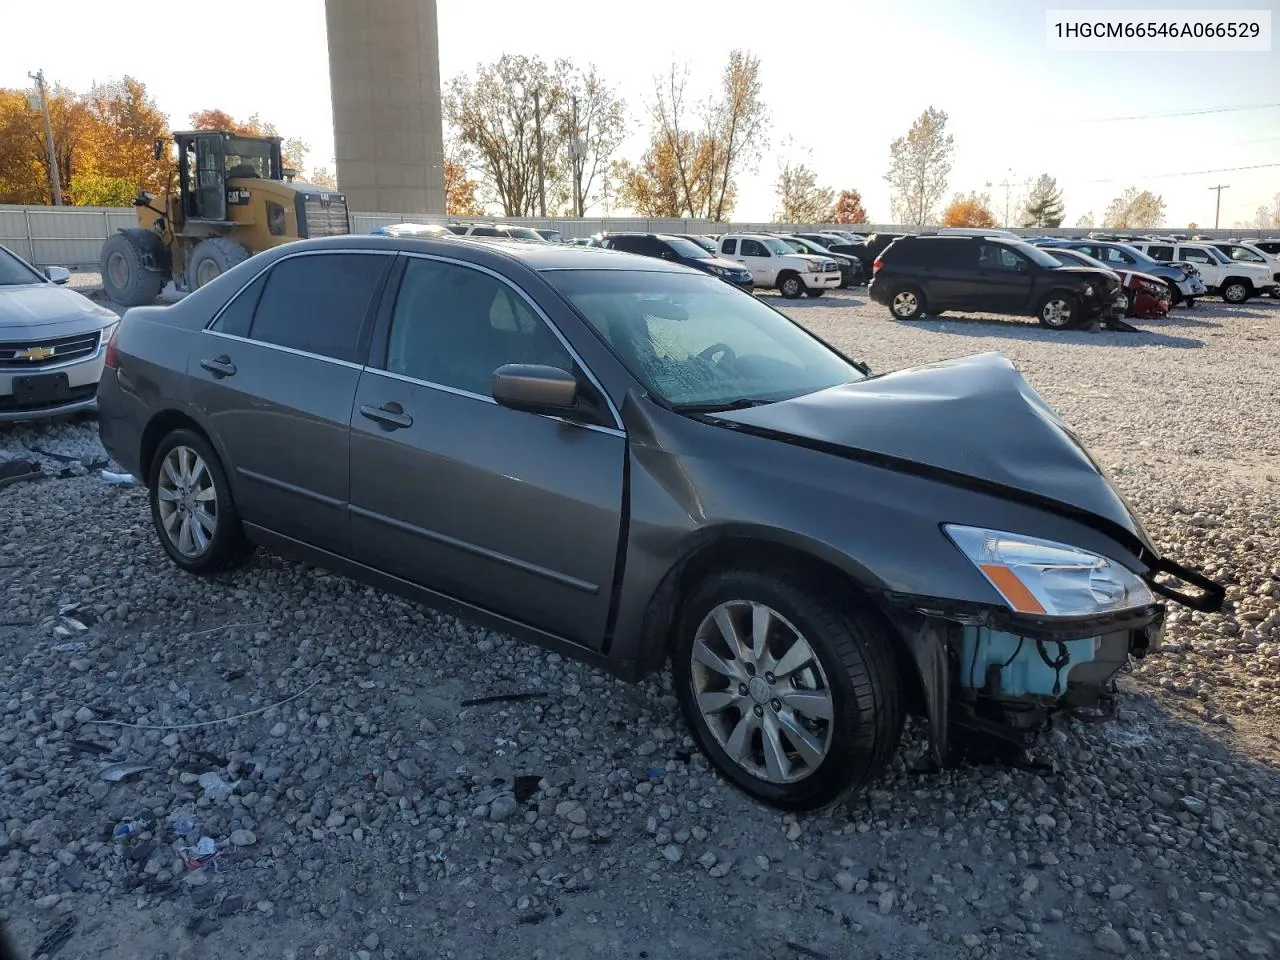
754	248
994	257
454	326
317	302
1196	255
1160	252
1114	255
694	341
13	272
249	158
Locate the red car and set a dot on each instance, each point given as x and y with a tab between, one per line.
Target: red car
1149	297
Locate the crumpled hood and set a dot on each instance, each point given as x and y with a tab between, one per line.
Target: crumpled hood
971	419
40	304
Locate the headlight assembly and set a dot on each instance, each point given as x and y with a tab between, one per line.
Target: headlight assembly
812	267
1044	578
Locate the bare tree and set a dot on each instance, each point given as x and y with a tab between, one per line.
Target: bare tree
591	124
1135	209
736	126
919	164
800	199
1085	221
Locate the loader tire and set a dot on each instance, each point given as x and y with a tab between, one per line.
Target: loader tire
211	259
125	279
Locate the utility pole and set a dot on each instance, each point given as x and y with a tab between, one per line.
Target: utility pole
1217	207
54	178
1007	183
537	128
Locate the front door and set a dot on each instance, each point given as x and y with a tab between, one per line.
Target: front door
1006	279
514	512
755	256
275	376
211	184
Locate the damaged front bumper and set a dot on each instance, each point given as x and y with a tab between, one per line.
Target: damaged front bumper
987	670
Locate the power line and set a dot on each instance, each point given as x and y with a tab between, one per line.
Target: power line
1183	113
1189	173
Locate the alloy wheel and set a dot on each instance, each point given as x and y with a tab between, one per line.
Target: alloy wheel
905	303
1056	313
762	691
791	287
188	501
1235	293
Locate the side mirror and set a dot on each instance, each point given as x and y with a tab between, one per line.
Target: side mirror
57	274
534	388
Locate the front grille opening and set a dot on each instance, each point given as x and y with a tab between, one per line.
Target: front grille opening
35	354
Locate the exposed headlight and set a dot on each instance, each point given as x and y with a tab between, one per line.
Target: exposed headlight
1049	579
812	266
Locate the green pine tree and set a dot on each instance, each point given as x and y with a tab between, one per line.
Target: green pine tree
1044	204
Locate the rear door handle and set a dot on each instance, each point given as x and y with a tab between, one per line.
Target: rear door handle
220	366
389	415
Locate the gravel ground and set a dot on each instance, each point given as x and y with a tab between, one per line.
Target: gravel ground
361	808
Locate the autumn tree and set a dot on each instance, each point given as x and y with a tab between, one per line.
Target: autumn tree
1085	221
591	124
736	129
460	198
849	208
130	124
919	164
652	187
321	177
1135	209
1044	204
800	199
969	210
293	150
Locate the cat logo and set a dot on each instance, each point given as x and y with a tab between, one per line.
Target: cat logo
34	354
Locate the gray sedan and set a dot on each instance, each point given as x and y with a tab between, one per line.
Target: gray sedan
52	342
631	462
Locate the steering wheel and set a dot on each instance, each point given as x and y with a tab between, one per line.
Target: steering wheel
724	351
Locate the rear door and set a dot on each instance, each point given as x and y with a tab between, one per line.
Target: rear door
275	376
948	270
515	512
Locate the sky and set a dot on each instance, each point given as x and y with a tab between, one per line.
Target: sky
840	93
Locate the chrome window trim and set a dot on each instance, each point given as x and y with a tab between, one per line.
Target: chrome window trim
541	314
283	349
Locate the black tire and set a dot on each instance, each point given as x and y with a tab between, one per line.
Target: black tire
907	303
1130	298
228	545
212	258
1235	290
855	654
790	285
124	278
1190	302
1175	295
1060	311
815	291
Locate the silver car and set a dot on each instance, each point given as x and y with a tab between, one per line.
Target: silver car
52	342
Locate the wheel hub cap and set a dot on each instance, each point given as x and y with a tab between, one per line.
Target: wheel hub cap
187	502
762	691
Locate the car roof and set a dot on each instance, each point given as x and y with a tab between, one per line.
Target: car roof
535	256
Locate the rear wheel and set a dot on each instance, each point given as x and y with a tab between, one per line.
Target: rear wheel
793	697
212	258
790	286
124	279
906	303
1060	311
191	505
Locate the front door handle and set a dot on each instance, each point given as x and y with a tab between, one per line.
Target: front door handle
390	416
220	366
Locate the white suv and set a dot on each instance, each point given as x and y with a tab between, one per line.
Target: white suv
773	263
1234	281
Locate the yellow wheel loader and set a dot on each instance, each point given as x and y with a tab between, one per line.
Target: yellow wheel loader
234	199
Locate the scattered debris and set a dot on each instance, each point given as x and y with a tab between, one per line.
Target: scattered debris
117	772
56	939
15	471
129	828
502	698
526	787
118	479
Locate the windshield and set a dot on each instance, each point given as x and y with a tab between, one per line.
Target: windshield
14	272
249	158
1035	255
523	233
695	341
1134	252
686	248
552	236
797	245
1246	255
705	243
1074	258
776	246
1216	254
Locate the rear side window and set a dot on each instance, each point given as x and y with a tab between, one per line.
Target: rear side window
625	244
317	303
1159	252
237	316
729	246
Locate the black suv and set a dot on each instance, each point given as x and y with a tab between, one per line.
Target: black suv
680	250
918	275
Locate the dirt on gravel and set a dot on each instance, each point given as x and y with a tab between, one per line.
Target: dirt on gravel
325	738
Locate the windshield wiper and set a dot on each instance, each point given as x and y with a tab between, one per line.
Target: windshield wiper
741	403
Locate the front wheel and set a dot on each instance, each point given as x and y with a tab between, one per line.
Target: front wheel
1060	311
1235	292
211	259
790	286
191	505
793	697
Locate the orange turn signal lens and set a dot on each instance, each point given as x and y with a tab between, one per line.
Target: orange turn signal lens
1011	588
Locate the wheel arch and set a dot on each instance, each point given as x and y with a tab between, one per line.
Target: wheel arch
153	253
162	423
831	572
1245	282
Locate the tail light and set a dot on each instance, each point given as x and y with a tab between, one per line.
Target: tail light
876	264
109	358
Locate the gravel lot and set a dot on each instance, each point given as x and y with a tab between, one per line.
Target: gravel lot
376	815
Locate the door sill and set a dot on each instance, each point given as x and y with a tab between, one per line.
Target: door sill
290	546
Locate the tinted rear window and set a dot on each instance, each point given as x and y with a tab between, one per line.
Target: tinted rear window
318	302
237	317
934	253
